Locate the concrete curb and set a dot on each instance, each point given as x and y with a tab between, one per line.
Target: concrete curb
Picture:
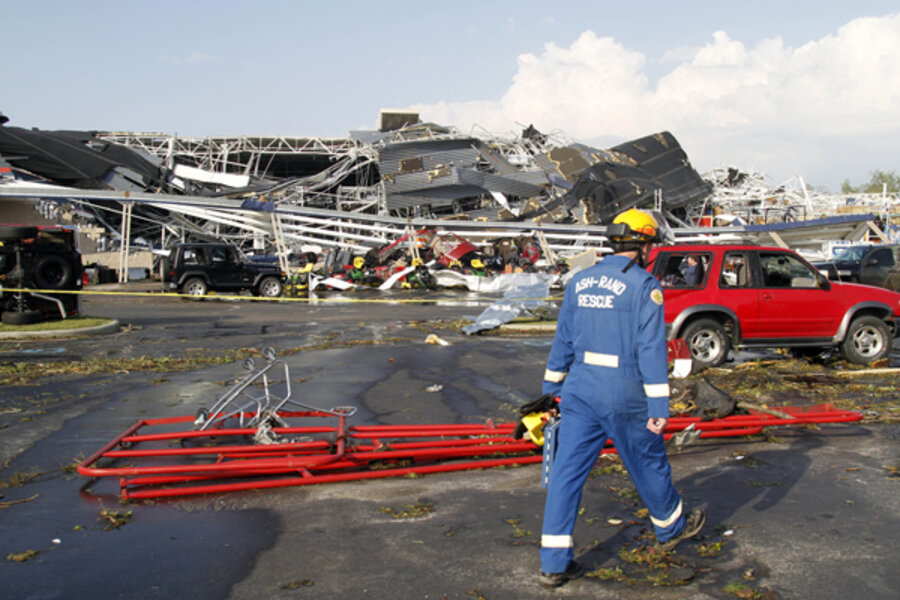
111	327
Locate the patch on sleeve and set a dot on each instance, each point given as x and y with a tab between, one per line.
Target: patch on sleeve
657	297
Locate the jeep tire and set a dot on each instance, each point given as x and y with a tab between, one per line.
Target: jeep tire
195	286
25	317
269	287
708	343
868	339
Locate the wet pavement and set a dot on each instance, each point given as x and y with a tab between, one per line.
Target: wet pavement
809	514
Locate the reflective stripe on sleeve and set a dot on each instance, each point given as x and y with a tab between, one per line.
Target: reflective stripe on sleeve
557	541
663	523
555	376
601	360
656	390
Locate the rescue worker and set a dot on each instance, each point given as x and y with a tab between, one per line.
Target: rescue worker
609	368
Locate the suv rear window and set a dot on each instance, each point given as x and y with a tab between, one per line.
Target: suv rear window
785	271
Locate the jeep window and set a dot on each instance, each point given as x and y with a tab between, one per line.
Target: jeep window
785	271
683	270
219	256
190	257
735	271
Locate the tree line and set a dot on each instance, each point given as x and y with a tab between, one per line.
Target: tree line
877	181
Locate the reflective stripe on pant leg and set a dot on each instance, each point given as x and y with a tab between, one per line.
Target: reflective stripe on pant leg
557	541
670	520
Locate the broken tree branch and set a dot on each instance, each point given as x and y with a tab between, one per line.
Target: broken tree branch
763	409
868	372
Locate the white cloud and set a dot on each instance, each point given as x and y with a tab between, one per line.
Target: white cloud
679	54
725	101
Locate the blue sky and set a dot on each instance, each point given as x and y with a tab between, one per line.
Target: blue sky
785	88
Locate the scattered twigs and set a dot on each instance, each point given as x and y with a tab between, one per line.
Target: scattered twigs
11	502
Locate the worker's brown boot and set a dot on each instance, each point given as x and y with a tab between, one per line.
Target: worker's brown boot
692	526
553	580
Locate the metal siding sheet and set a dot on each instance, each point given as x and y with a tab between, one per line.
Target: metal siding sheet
432	152
402	183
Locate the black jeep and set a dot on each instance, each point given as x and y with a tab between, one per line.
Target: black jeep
197	268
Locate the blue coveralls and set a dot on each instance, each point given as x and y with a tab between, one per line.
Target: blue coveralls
608	365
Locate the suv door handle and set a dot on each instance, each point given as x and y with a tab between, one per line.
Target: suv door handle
766	296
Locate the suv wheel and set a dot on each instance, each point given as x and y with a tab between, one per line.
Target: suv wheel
270	287
868	340
195	287
707	342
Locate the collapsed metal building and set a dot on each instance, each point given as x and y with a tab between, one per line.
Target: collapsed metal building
280	194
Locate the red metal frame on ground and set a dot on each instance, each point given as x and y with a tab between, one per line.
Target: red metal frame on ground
223	459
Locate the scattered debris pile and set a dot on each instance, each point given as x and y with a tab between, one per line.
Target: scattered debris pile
261	193
406	168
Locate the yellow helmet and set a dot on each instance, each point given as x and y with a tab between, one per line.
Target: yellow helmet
641	225
358	262
477	264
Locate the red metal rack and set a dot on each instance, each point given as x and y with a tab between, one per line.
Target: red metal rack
157	458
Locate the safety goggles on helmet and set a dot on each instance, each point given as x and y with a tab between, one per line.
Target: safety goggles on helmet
633	225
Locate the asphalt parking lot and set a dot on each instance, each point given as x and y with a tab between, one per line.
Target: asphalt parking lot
806	513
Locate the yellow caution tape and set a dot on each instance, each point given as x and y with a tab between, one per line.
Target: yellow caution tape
232	297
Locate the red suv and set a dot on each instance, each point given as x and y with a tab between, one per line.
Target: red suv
719	297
